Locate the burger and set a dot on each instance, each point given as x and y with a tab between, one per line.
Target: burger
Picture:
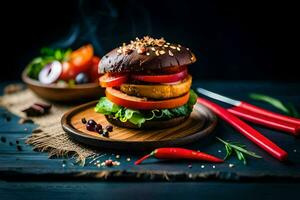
147	84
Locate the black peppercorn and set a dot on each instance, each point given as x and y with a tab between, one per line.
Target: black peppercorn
90	127
98	128
91	122
83	120
105	133
109	128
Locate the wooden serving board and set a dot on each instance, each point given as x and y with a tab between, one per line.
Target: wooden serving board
201	122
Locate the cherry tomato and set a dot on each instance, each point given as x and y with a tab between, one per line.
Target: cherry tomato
68	71
81	58
133	102
108	80
167	78
93	71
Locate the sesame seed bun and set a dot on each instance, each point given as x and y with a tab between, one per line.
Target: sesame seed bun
145	54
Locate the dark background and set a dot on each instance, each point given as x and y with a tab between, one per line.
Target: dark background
232	40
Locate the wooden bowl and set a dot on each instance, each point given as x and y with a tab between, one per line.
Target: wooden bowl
83	92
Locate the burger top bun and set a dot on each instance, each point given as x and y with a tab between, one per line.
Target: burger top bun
145	54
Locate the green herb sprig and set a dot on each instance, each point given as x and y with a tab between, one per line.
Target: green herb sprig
287	108
238	149
47	55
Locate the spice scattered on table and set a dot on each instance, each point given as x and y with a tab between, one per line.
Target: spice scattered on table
110	163
37	109
231	165
64	163
17	142
128	159
3	139
10	144
179	153
238	149
189	166
214	166
117	156
19	148
295	150
202	166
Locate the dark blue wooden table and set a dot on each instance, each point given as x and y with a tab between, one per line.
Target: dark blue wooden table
27	174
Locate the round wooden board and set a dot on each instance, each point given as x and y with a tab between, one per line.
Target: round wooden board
201	122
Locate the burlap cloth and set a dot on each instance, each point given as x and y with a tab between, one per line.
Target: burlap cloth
49	136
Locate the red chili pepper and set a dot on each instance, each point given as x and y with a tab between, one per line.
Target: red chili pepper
179	153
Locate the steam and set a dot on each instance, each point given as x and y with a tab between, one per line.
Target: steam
105	24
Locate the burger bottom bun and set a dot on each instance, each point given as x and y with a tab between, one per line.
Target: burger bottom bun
148	124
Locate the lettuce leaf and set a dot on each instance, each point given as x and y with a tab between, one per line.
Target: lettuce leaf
138	117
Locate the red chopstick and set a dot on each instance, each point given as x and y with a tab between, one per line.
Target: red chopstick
269	114
246	130
264	120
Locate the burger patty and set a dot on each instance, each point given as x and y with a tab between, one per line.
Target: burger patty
161	91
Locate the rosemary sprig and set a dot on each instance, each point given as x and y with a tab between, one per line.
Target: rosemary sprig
238	149
287	108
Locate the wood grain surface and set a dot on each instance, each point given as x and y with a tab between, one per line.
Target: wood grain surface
200	123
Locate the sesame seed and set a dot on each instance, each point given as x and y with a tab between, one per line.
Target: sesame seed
170	53
152	48
187	49
172	47
148	54
178	49
162	52
157	52
179	45
166	45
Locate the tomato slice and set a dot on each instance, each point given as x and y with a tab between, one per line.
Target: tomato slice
81	58
166	78
68	71
137	103
93	71
112	80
